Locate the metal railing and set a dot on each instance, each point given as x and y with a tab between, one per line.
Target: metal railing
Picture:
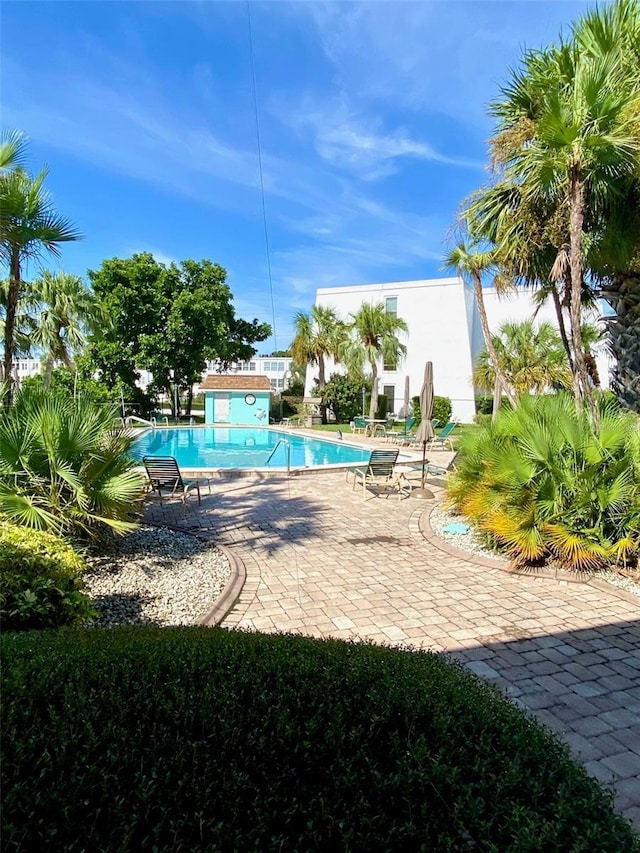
288	446
130	418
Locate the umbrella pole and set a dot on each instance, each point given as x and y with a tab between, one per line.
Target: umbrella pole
422	492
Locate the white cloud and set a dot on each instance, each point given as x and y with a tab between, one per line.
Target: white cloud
358	143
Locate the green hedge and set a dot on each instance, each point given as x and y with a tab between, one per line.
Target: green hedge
441	409
40	580
196	739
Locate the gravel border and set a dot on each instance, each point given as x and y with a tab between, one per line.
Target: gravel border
471	544
157	576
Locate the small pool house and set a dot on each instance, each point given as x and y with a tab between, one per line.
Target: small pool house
236	400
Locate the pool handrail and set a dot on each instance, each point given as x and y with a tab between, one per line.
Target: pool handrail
287	444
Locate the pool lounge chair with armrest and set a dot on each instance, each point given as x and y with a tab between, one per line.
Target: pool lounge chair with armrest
441	441
430	470
167	481
378	471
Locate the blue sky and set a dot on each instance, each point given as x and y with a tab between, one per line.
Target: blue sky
373	126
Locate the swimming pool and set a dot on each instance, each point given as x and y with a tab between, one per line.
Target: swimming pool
243	447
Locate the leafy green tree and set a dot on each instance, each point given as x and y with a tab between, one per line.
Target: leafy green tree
169	320
531	359
343	395
64	468
374	337
29	224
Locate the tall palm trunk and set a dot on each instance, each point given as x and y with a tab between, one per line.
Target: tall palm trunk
497	399
373	405
562	326
48	371
581	387
322	381
488	342
622	292
13	295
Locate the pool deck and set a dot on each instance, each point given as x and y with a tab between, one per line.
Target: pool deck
322	560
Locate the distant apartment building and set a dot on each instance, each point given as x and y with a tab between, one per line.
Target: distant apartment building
24	368
276	369
444	328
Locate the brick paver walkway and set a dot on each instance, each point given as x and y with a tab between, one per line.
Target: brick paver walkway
324	561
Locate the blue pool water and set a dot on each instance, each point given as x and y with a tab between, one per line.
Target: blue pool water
240	447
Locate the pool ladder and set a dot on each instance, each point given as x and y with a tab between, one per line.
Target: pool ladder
288	446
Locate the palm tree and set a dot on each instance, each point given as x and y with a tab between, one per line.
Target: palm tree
532	359
319	335
63	467
29	223
569	137
63	311
471	263
13	144
374	336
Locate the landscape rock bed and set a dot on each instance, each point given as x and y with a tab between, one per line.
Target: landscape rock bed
156	576
441	518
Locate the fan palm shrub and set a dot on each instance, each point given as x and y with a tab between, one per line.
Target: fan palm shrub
542	483
64	469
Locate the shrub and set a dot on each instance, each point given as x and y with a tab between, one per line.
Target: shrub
202	739
40	580
482	419
542	483
441	409
63	468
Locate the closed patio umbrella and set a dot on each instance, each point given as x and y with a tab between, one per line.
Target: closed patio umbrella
407	402
425	430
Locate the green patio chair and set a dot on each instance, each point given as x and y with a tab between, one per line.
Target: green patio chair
379	471
359	424
166	481
444	438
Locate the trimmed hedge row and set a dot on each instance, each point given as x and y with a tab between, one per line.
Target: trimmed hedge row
195	739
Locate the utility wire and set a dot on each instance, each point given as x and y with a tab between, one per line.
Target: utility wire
264	207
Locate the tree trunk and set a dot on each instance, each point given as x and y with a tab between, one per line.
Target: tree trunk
373	406
48	370
13	294
561	326
322	381
622	292
497	399
189	401
486	332
581	388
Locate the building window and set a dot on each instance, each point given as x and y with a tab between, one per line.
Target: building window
389	392
252	365
274	384
391	304
390	366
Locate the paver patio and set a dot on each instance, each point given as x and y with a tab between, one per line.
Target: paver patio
323	561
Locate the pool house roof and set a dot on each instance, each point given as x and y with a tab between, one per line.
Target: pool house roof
235	383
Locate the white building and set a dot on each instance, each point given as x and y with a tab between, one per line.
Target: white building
444	328
277	369
24	368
